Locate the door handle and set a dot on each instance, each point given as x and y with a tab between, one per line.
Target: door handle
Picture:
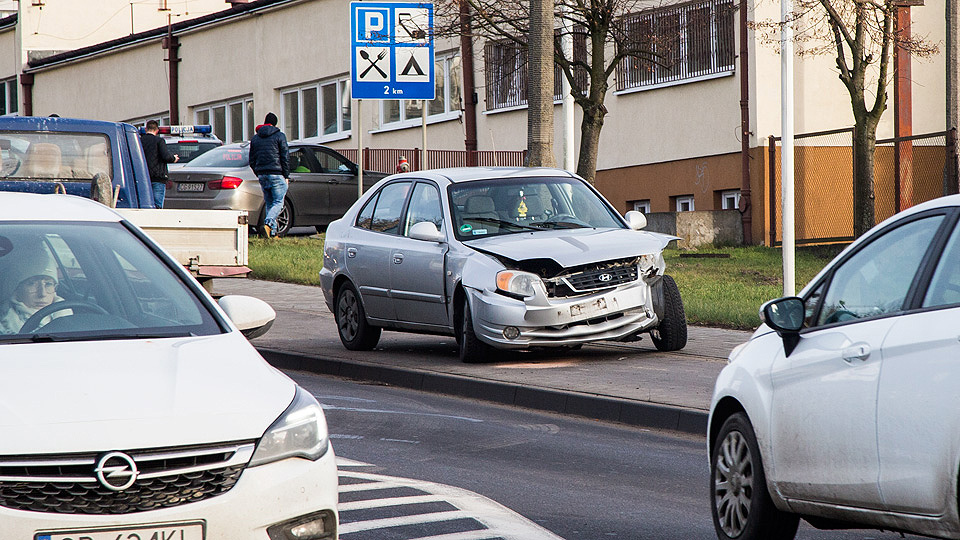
351	252
860	351
331	181
397	258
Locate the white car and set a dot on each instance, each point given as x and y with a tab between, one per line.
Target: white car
133	406
842	409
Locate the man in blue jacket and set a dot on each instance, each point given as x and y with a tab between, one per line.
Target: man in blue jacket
270	161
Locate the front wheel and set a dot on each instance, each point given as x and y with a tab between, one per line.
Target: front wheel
471	349
356	333
741	505
671	333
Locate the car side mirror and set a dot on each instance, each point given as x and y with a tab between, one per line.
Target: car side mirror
252	316
785	316
636	220
426	231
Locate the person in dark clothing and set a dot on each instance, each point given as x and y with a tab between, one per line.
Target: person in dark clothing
157	154
270	161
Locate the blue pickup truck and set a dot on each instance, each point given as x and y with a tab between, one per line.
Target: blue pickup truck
90	158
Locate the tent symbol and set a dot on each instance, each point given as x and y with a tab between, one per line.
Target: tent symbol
412	65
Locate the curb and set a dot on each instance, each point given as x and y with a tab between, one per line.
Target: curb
592	406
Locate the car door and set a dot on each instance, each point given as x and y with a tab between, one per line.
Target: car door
918	430
308	188
370	246
417	269
823	420
340	175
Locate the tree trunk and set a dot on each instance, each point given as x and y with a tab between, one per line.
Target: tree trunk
540	85
590	142
864	145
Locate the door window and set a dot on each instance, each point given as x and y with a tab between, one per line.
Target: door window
876	279
386	216
331	163
945	287
302	161
424	206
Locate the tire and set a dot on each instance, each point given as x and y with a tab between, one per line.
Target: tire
355	332
739	500
284	219
671	333
472	350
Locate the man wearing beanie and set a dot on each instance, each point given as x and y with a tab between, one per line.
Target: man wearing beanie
28	283
270	161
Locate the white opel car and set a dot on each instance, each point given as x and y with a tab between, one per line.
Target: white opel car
842	409
133	405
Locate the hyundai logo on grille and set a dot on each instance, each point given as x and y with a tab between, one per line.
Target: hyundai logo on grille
116	471
605	277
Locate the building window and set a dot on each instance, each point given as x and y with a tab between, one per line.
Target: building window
730	199
677	43
446	105
163	119
232	121
684	203
505	66
8	97
641	205
318	112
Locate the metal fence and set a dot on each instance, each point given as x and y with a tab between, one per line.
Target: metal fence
907	171
386	159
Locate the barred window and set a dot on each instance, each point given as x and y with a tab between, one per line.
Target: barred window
505	68
677	43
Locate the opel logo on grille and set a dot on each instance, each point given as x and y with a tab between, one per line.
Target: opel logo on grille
605	277
116	471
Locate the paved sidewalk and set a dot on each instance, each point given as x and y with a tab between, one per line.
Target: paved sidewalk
625	382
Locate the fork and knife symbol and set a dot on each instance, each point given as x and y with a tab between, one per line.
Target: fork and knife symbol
373	63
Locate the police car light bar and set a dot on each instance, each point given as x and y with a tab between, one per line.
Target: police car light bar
183	130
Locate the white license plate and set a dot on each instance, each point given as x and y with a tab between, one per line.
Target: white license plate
190	186
160	531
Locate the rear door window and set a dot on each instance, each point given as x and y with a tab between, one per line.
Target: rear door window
386	215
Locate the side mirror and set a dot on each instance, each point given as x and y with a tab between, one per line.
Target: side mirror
636	220
785	316
426	231
252	316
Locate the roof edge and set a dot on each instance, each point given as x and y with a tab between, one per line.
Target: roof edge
8	22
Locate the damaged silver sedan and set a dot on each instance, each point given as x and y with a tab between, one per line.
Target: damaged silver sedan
500	258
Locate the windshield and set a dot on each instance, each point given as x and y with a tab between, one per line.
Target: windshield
61	156
68	281
190	150
223	156
509	205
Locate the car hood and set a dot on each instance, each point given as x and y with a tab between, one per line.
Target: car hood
573	247
121	395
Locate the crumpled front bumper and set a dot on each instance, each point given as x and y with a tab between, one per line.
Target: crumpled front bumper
555	322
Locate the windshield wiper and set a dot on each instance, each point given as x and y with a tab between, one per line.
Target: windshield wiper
503	223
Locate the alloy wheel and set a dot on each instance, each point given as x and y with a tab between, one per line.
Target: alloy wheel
348	319
733	484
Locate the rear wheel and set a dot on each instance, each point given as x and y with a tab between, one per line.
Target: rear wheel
472	350
741	505
284	219
356	333
671	333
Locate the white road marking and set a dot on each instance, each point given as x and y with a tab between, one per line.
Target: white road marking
328	407
392	501
344	462
347	528
400	440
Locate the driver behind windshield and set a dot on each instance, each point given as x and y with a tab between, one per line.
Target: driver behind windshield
28	282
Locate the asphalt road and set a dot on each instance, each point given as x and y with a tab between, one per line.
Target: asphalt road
578	479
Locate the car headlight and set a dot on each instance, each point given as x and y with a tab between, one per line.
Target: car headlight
301	431
516	283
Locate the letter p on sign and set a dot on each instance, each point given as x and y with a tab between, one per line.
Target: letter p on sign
372	25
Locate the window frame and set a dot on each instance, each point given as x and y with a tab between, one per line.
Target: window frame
343	110
640	205
681	199
246	105
516	81
725	195
10	99
452	111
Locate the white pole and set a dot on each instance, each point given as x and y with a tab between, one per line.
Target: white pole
358	125
567	108
786	149
423	134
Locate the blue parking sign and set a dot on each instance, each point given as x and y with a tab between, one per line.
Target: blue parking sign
392	50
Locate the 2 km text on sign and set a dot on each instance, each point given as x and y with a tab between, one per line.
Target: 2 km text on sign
392	50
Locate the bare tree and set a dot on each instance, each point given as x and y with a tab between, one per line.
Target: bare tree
861	34
540	85
602	41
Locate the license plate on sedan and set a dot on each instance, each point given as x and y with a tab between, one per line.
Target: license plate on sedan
190	186
160	531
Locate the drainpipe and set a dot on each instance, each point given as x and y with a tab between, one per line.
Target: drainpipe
469	89
903	119
172	46
746	208
26	85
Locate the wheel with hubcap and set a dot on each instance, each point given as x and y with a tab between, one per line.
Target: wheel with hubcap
741	505
284	219
356	333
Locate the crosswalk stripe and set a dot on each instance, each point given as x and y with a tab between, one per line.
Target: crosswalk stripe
392	501
369	486
466	535
347	528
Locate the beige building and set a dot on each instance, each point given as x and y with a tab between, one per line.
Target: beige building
670	142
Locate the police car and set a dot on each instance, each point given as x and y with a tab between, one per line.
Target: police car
188	142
